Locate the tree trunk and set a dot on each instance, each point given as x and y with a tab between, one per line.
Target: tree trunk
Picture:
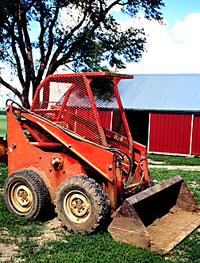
24	98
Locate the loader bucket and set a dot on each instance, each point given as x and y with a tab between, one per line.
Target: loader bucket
157	218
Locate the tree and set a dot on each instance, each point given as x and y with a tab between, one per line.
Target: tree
34	40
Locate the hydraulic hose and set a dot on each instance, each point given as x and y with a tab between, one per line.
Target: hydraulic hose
75	136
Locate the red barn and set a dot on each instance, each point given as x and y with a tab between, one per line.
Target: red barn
163	111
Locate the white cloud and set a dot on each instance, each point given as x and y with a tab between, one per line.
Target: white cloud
174	50
5	94
188	29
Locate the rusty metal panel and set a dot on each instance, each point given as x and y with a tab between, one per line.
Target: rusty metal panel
170	133
153	220
196	135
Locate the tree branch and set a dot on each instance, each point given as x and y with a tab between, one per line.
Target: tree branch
42	32
63	42
53	21
19	68
55	64
44	59
20	39
11	88
28	45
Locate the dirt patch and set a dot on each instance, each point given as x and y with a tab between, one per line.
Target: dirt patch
51	232
7	251
156	162
176	167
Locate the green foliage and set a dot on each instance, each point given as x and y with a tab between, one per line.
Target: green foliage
81	35
102	89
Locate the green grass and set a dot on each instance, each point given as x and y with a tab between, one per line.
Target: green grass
175	160
98	247
191	178
88	248
3	123
13	225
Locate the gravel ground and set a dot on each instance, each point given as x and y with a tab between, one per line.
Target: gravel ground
175	167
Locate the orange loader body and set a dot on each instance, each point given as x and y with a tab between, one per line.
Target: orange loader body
74	149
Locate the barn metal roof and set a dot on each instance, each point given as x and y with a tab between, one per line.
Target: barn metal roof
170	92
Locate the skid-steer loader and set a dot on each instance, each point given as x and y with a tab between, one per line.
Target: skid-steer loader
74	148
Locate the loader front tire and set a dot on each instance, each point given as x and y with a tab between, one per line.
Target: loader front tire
25	194
81	204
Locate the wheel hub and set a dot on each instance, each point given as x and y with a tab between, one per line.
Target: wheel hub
21	197
77	206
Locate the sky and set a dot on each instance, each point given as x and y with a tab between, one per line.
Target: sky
175	46
172	48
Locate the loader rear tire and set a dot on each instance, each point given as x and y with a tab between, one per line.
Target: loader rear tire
81	204
25	194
